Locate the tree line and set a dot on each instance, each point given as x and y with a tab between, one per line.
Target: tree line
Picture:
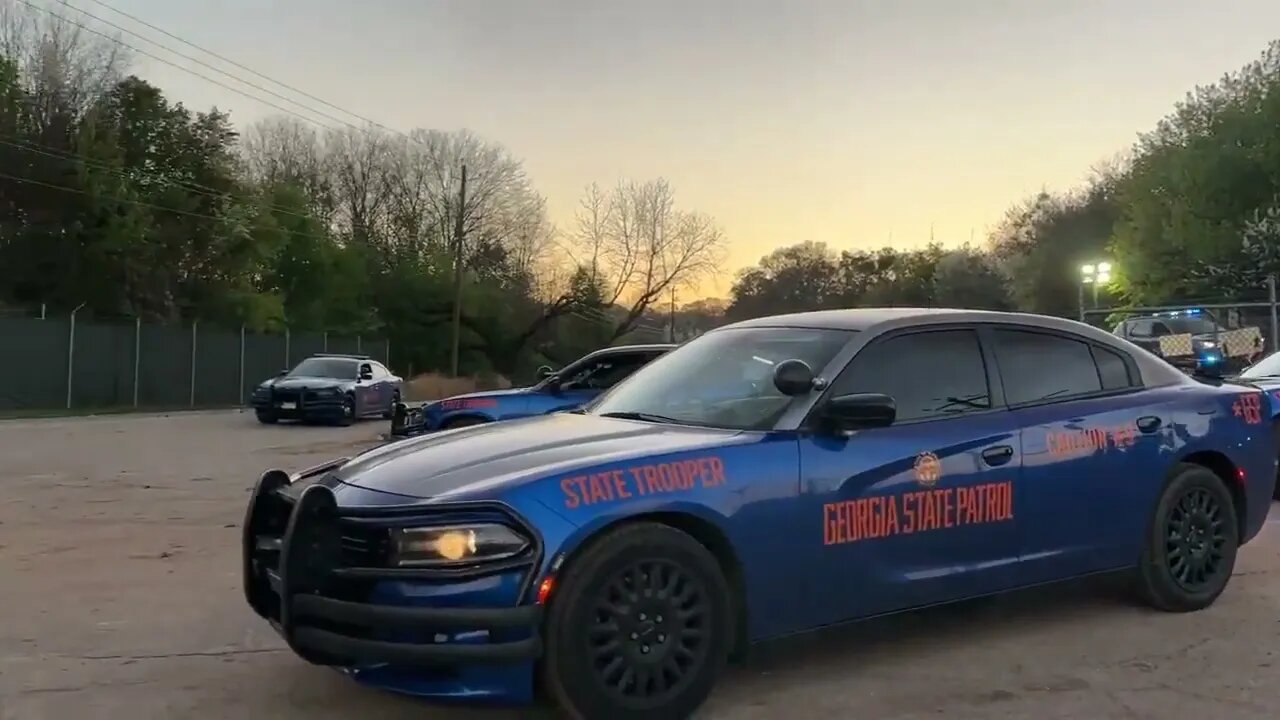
1190	212
120	201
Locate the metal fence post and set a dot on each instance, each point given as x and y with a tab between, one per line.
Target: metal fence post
194	324
240	389
326	341
71	351
137	356
359	345
43	308
286	348
387	354
1271	298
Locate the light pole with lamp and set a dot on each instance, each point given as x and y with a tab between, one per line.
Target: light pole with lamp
1094	274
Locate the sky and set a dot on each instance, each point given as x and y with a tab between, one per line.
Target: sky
857	123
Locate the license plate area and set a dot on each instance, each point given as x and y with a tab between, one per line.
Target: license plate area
288	406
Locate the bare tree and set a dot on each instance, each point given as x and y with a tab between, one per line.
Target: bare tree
639	246
287	150
67	69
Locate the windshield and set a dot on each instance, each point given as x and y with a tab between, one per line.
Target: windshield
1268	366
326	368
723	379
1193	325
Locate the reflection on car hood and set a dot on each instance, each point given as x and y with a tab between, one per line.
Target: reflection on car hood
490	393
493	456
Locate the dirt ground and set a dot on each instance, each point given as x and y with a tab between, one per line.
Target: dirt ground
120	597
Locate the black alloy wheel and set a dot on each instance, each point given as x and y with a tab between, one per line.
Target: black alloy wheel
649	633
639	626
1191	548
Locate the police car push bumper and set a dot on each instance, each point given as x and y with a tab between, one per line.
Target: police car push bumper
295	578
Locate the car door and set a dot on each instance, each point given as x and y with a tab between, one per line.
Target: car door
925	510
1091	447
367	396
385	384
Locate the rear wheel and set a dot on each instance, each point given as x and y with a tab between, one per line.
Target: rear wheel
640	627
1191	548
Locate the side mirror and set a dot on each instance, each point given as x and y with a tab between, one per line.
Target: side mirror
793	377
282	373
366	373
859	411
545	372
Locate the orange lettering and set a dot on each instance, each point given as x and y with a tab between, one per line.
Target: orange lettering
620	484
571	499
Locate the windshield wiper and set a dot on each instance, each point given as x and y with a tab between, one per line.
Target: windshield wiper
645	417
979	402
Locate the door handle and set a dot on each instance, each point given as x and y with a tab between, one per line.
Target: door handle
1149	423
997	455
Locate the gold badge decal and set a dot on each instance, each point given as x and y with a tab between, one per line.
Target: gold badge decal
928	469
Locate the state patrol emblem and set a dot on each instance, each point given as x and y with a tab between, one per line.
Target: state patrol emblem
928	469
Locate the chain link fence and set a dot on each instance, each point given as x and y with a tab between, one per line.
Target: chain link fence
65	362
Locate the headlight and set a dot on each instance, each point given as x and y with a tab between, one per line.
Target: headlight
454	545
1208	344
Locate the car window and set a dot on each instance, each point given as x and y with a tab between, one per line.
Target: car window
606	372
1139	328
380	372
928	374
723	378
1037	366
335	368
1112	369
366	368
1159	329
1266	367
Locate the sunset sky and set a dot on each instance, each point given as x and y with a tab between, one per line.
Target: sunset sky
843	121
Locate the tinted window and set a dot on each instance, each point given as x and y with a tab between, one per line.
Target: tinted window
337	368
1112	369
1140	328
929	374
606	372
1036	366
724	378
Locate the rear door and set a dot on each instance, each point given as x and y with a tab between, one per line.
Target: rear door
925	510
1091	443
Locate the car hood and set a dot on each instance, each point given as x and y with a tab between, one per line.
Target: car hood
304	381
491	394
496	456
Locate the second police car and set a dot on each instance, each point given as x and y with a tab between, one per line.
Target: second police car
615	559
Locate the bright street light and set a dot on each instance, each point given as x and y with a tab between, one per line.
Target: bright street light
1094	274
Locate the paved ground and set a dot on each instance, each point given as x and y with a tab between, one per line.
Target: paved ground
120	598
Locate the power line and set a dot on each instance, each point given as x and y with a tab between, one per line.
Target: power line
233	63
202	63
139	203
170	63
194	188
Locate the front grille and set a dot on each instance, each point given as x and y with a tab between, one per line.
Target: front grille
286	395
364	546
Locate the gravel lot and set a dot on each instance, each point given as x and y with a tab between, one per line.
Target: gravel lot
120	592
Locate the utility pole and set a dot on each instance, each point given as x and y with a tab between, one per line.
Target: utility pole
673	314
457	269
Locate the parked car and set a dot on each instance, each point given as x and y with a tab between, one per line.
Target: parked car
328	388
898	458
1204	339
567	389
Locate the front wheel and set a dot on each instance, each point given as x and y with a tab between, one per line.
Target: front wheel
266	417
391	409
1191	546
348	411
640	627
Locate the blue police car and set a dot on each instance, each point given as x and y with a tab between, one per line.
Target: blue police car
574	385
615	559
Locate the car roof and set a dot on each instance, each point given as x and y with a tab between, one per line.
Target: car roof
1155	370
644	347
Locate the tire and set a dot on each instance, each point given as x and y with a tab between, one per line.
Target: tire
348	411
587	680
1191	544
391	409
265	417
463	422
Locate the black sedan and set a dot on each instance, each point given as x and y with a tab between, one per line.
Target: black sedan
329	388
